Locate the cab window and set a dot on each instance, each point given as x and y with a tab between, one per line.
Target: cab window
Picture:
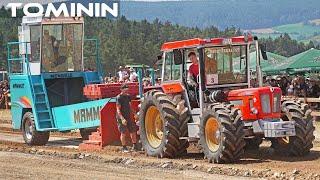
171	71
62	47
35	32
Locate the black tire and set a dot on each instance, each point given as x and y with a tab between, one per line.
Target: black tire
184	118
174	116
31	136
253	143
300	144
85	133
231	141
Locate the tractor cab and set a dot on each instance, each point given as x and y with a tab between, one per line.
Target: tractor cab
222	75
52	50
48	68
222	67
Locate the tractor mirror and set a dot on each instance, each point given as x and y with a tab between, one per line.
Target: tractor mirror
263	50
177	56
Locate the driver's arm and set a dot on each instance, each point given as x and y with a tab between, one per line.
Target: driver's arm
190	80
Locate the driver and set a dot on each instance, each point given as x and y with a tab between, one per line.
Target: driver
193	69
51	50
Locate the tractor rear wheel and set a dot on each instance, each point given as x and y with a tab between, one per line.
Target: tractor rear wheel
163	120
30	135
222	134
300	144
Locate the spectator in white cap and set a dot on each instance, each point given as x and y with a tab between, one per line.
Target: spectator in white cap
133	75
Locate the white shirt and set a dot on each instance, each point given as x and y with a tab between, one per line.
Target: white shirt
133	76
120	74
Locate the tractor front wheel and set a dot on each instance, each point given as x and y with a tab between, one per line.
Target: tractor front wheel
163	120
300	144
30	135
221	133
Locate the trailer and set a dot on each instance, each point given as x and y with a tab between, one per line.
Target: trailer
48	69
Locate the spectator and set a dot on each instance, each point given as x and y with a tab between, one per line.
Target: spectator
301	87
125	123
266	81
133	75
146	82
4	90
273	82
284	84
313	89
122	74
290	90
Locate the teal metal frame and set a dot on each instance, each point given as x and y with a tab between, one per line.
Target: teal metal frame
29	94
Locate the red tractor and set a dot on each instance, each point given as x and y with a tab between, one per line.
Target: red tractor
216	106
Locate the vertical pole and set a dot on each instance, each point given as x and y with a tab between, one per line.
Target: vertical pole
27	61
99	68
140	83
153	81
258	66
8	55
201	79
248	60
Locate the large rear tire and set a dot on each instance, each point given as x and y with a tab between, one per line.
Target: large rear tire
222	134
300	144
31	136
163	120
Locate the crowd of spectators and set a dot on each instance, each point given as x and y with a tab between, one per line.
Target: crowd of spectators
124	75
127	75
298	86
4	90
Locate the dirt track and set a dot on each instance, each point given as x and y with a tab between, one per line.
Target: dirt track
23	166
110	163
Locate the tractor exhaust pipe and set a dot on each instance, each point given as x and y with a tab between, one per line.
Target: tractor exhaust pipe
258	64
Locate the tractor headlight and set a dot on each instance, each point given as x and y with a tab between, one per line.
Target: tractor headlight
254	110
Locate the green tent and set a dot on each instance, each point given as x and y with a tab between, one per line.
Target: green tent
308	61
273	59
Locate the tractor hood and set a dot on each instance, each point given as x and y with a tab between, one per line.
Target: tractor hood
253	91
257	103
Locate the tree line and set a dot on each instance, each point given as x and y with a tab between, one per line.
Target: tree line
124	41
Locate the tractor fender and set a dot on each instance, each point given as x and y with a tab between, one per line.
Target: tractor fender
172	88
17	112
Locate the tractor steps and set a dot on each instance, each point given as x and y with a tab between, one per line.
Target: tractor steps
94	142
41	104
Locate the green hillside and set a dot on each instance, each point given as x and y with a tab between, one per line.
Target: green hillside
245	14
303	32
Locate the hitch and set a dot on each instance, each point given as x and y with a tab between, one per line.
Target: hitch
107	133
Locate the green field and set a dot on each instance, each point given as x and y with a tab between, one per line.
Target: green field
303	32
